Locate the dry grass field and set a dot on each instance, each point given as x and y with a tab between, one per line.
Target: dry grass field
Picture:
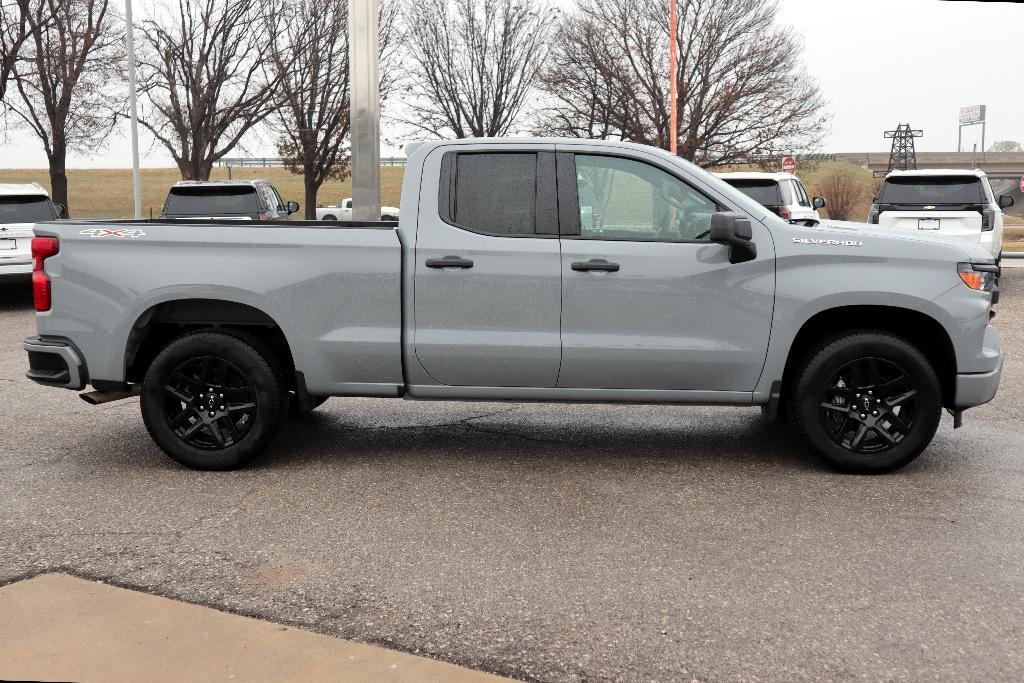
107	193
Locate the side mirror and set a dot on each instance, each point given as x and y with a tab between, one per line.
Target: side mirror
61	210
1005	201
818	203
292	207
731	228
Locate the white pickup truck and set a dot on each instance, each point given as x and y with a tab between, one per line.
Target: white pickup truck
343	212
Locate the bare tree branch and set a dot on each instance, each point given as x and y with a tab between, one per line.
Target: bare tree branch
203	78
67	80
741	88
475	63
309	61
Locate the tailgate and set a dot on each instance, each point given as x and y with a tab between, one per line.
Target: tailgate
962	224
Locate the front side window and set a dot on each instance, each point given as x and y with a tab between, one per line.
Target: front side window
629	200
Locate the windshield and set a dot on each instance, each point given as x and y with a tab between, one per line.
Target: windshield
764	192
211	201
25	209
932	190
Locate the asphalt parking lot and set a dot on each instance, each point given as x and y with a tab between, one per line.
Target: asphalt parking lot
567	542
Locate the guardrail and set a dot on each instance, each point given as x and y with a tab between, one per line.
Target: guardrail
266	162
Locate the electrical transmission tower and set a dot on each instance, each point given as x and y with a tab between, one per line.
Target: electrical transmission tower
902	157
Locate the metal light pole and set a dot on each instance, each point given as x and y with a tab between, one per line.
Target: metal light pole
363	58
132	98
673	68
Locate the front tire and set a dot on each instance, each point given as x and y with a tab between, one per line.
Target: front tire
211	401
867	402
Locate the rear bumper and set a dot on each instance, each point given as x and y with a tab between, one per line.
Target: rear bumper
15	266
55	363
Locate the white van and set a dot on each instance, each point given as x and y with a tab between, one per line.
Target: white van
954	202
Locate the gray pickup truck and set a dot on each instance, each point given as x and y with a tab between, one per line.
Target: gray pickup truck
523	270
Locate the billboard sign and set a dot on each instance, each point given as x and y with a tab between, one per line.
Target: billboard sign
973	114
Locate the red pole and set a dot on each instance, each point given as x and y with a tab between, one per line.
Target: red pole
672	78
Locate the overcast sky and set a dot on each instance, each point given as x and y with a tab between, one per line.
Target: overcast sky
878	63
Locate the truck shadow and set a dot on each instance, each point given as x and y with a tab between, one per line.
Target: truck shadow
740	439
15	293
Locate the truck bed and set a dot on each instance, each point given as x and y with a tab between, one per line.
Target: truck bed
333	289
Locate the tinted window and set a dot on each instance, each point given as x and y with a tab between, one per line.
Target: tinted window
25	209
212	201
932	190
764	192
627	199
496	193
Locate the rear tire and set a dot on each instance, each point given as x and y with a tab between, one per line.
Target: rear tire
330	218
866	402
211	401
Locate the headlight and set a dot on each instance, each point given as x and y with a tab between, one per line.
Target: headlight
979	276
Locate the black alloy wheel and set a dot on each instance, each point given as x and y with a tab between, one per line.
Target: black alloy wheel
866	401
213	400
209	403
868	405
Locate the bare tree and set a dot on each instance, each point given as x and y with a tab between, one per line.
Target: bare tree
202	75
474	63
15	30
741	87
309	61
65	80
843	191
1005	146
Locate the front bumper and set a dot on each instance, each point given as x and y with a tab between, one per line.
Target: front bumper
977	387
55	363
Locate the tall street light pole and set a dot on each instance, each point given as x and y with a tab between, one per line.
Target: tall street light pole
673	68
363	59
132	99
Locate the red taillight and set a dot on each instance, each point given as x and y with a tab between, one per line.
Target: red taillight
785	213
42	247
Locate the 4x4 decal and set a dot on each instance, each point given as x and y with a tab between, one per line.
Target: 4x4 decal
107	232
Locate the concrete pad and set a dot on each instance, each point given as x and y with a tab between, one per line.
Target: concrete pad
58	627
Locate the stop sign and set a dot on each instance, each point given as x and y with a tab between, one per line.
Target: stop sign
1022	184
789	166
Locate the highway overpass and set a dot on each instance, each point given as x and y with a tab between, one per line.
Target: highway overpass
997	165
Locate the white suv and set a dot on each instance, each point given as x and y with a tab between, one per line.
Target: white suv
783	193
954	202
21	207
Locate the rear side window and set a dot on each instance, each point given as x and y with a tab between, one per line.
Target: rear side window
25	209
764	192
932	190
211	201
498	193
801	194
